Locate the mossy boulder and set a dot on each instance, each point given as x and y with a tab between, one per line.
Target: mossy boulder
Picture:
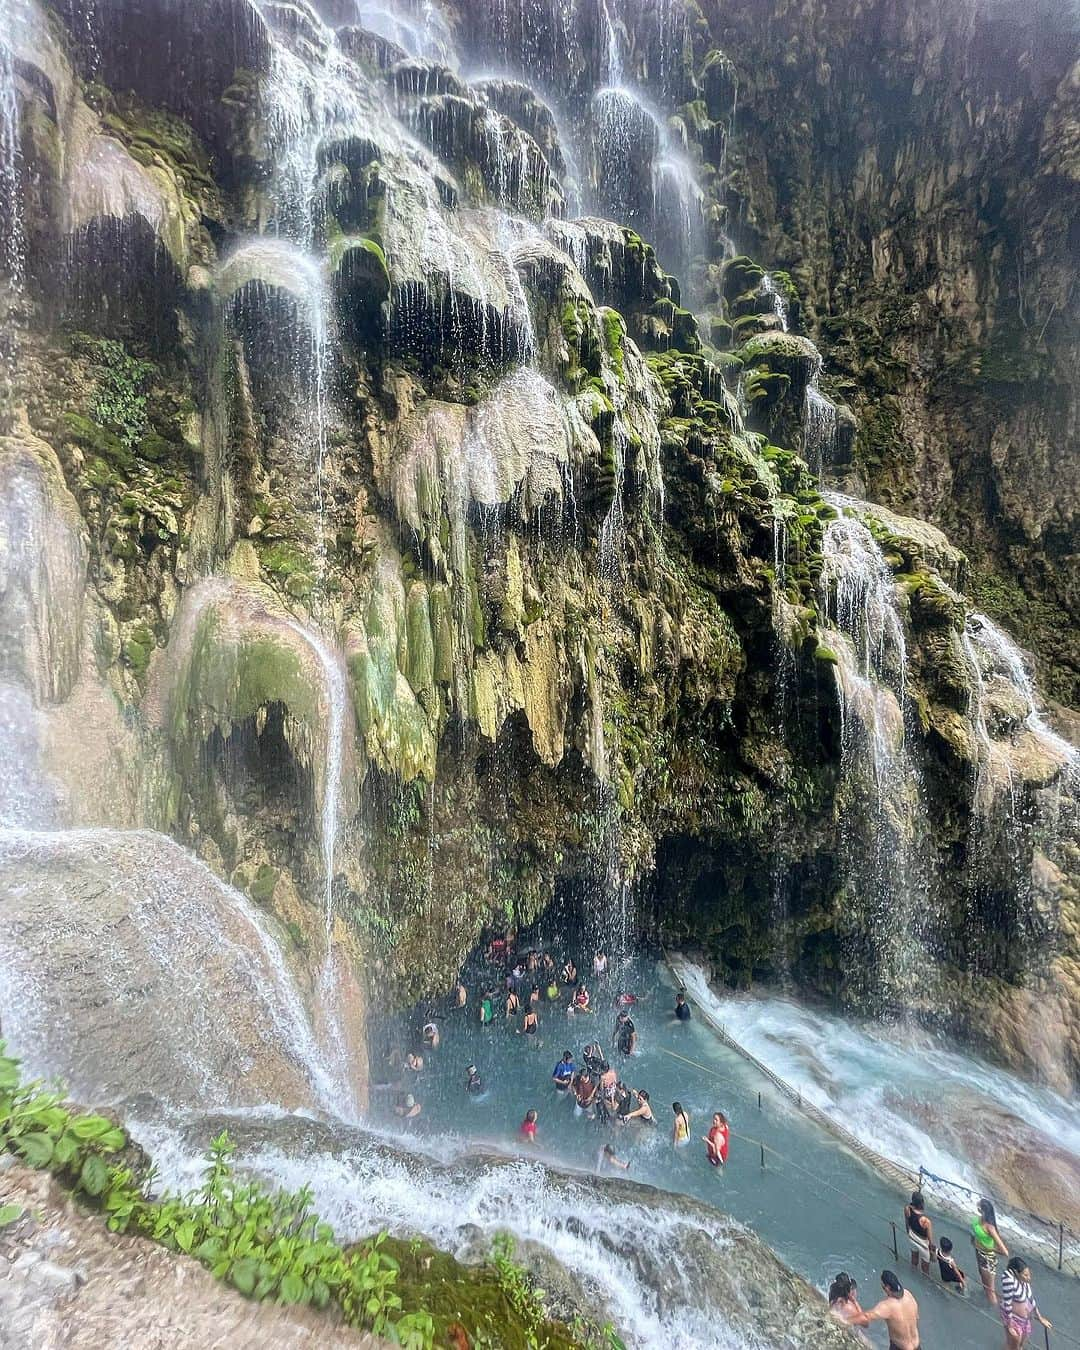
741	274
785	353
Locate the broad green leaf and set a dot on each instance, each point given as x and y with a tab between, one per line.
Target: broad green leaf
94	1176
9	1213
36	1148
64	1150
90	1127
243	1275
185	1236
293	1289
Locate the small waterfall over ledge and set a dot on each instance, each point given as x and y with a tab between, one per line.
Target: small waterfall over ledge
882	814
1025	822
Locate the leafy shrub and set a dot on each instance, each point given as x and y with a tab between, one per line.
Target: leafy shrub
122	386
265	1244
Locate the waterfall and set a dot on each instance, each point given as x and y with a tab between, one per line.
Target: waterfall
785	671
1025	794
126	966
820	426
11	232
881	822
339	710
779	304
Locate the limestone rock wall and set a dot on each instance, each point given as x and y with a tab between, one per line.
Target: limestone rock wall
432	556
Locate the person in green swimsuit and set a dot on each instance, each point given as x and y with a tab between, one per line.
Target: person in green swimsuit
988	1245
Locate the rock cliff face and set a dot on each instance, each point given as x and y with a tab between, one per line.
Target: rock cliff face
422	546
916	169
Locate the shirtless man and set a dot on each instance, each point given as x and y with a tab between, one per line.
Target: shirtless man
898	1310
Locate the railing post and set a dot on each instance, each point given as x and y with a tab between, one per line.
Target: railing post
1061	1246
895	1248
763	1157
759	1108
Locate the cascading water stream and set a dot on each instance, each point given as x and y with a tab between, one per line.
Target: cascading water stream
11	232
779	305
820	426
1026	791
882	816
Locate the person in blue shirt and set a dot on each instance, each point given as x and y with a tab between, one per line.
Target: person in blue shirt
564	1071
682	1008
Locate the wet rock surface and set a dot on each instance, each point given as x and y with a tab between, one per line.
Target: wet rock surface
65	1281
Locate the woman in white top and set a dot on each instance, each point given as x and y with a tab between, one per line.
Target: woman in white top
1018	1307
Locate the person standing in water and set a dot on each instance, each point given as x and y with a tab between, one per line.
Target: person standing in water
682	1008
898	1310
920	1233
1019	1310
599	965
473	1082
624	1037
843	1299
527	1128
717	1141
643	1111
563	1072
680	1132
988	1245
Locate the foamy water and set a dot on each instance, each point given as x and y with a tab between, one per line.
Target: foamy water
861	1075
625	1255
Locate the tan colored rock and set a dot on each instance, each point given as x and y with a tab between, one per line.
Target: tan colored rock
70	1284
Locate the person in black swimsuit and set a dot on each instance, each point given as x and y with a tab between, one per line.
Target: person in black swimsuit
920	1232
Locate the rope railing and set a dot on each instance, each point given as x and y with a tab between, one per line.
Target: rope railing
1062	1243
1059	1249
813	1180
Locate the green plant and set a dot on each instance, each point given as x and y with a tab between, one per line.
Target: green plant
526	1300
265	1244
122	385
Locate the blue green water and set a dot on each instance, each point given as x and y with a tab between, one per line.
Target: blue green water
818	1206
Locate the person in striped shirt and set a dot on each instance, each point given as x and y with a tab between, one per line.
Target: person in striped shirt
1019	1310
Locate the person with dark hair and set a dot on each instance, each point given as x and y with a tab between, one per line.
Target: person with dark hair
680	1133
920	1233
718	1140
898	1310
527	1128
624	1037
643	1111
593	1057
950	1271
843	1298
608	1158
564	1072
473	1082
585	1093
682	1008
988	1245
1019	1310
